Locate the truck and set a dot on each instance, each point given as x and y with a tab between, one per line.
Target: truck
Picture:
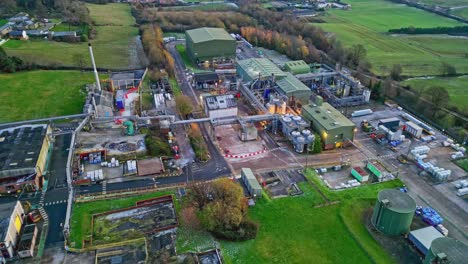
462	192
366	126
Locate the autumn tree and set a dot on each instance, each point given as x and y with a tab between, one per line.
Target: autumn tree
183	105
395	72
355	55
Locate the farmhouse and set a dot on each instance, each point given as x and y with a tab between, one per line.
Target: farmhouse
334	128
5	29
19	34
24	153
210	44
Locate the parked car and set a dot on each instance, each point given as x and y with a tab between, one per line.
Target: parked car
34	216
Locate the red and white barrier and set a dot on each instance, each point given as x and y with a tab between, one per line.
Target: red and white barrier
240	156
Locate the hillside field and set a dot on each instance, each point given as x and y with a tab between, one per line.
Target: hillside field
456	86
39	94
368	22
113	46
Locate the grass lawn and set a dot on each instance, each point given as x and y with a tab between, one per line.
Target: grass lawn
112	46
186	59
368	23
461	12
175	87
462	163
449	3
292	230
80	226
38	94
65	27
3	22
456	86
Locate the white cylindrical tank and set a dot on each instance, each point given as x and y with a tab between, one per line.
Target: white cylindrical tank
283	108
295	133
271	108
306	133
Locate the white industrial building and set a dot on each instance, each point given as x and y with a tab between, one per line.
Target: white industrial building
221	106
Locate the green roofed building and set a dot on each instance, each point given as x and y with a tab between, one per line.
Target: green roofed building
251	182
294	89
333	127
254	68
207	44
297	67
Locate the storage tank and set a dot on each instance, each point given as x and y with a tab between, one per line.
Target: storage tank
299	144
283	108
393	212
448	250
271	108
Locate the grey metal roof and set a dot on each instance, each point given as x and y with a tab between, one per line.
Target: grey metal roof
64	33
426	235
251	178
6	208
206	77
327	116
260	67
19	149
220	102
291	84
399	201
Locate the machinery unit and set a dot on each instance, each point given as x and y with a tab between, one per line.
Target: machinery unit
251	182
393	212
301	140
413	129
120	99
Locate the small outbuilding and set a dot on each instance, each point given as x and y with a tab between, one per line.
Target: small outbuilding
422	238
251	182
297	67
148	167
221	106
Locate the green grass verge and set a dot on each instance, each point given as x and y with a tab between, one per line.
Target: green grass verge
462	163
461	12
115	33
39	94
80	226
189	64
189	240
368	23
3	22
175	87
65	27
293	230
449	3
456	86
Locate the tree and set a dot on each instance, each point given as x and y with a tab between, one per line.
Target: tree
388	89
448	70
317	144
439	97
199	194
79	60
355	55
183	105
395	72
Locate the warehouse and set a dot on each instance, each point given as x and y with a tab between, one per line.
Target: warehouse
297	92
297	67
393	212
258	68
446	250
24	154
251	182
333	127
221	106
210	44
422	238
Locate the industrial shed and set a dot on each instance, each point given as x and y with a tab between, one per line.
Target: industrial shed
446	250
393	212
221	106
294	89
422	238
297	67
208	44
251	182
254	68
333	127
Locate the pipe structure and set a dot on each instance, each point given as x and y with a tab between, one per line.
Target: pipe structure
96	76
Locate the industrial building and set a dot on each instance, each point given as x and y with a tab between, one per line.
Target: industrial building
11	221
393	212
446	250
210	44
422	238
24	154
258	68
332	126
221	106
251	182
297	67
297	93
206	80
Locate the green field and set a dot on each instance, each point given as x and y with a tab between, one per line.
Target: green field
38	94
461	12
368	23
65	27
112	46
80	223
294	230
449	3
456	86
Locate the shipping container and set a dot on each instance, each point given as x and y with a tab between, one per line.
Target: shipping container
413	129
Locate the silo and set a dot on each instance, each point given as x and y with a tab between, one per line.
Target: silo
446	250
393	212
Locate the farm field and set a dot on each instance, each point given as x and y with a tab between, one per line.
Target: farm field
28	95
293	230
461	12
456	86
115	39
449	3
80	226
421	55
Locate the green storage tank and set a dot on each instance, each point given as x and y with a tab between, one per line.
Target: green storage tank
447	250
393	212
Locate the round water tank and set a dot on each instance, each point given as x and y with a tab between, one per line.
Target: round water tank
283	108
311	138
286	119
393	212
271	108
295	133
300	139
448	249
297	118
306	132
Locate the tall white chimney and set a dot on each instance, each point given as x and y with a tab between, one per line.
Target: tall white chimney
98	85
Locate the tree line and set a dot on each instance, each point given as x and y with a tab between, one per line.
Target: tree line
159	57
294	47
460	30
11	64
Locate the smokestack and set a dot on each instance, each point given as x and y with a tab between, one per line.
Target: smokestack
98	85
